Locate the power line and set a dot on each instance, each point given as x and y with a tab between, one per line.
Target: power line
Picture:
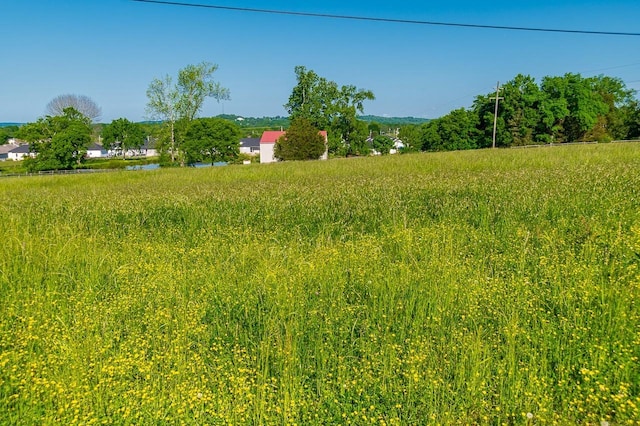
613	67
388	20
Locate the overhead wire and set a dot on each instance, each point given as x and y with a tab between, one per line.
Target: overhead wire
396	21
387	20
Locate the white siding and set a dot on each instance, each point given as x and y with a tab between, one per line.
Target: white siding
266	153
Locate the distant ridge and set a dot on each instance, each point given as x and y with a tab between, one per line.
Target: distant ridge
284	121
10	124
393	120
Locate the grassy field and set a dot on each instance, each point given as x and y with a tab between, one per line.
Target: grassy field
479	287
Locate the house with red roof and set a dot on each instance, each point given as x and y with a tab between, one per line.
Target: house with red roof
268	142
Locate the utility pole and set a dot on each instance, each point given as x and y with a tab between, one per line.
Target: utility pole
495	113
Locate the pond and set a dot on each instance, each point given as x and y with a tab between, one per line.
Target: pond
157	166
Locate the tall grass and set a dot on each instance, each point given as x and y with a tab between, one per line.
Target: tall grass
471	287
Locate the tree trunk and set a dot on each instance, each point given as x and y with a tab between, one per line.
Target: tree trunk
173	144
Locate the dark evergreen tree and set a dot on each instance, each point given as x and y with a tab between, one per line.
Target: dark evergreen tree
302	141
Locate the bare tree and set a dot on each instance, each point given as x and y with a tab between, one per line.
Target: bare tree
81	103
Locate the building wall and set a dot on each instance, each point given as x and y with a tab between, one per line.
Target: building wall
18	156
94	153
266	153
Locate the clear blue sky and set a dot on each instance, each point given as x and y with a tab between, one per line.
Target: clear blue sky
111	50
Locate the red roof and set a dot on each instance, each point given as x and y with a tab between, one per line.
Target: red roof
272	136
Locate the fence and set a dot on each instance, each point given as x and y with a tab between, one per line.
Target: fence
60	172
547	145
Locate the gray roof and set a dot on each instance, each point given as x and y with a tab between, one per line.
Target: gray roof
250	142
96	147
6	148
149	143
22	149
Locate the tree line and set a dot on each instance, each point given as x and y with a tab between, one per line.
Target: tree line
570	108
562	109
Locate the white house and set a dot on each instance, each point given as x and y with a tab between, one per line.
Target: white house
96	151
12	143
18	153
148	149
268	142
250	146
397	146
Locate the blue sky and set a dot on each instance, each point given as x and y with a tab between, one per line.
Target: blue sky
111	50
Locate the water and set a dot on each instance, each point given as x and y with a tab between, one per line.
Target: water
156	166
143	167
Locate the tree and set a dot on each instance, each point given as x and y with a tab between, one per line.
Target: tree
59	142
382	144
303	141
329	107
7	133
410	137
572	106
562	109
520	110
455	131
620	103
81	103
181	103
632	120
213	139
306	99
195	84
374	128
124	135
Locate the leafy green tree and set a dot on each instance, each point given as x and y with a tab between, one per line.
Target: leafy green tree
410	135
211	139
181	102
302	141
382	144
632	120
330	107
620	101
345	125
59	142
455	131
7	133
374	128
310	99
520	111
518	114
562	109
572	106
124	135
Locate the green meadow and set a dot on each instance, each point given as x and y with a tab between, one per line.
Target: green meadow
476	287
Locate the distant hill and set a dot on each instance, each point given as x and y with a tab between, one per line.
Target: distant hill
278	121
257	122
10	124
393	120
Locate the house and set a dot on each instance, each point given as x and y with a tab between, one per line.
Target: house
147	149
96	150
398	145
12	143
268	142
18	153
4	151
250	146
